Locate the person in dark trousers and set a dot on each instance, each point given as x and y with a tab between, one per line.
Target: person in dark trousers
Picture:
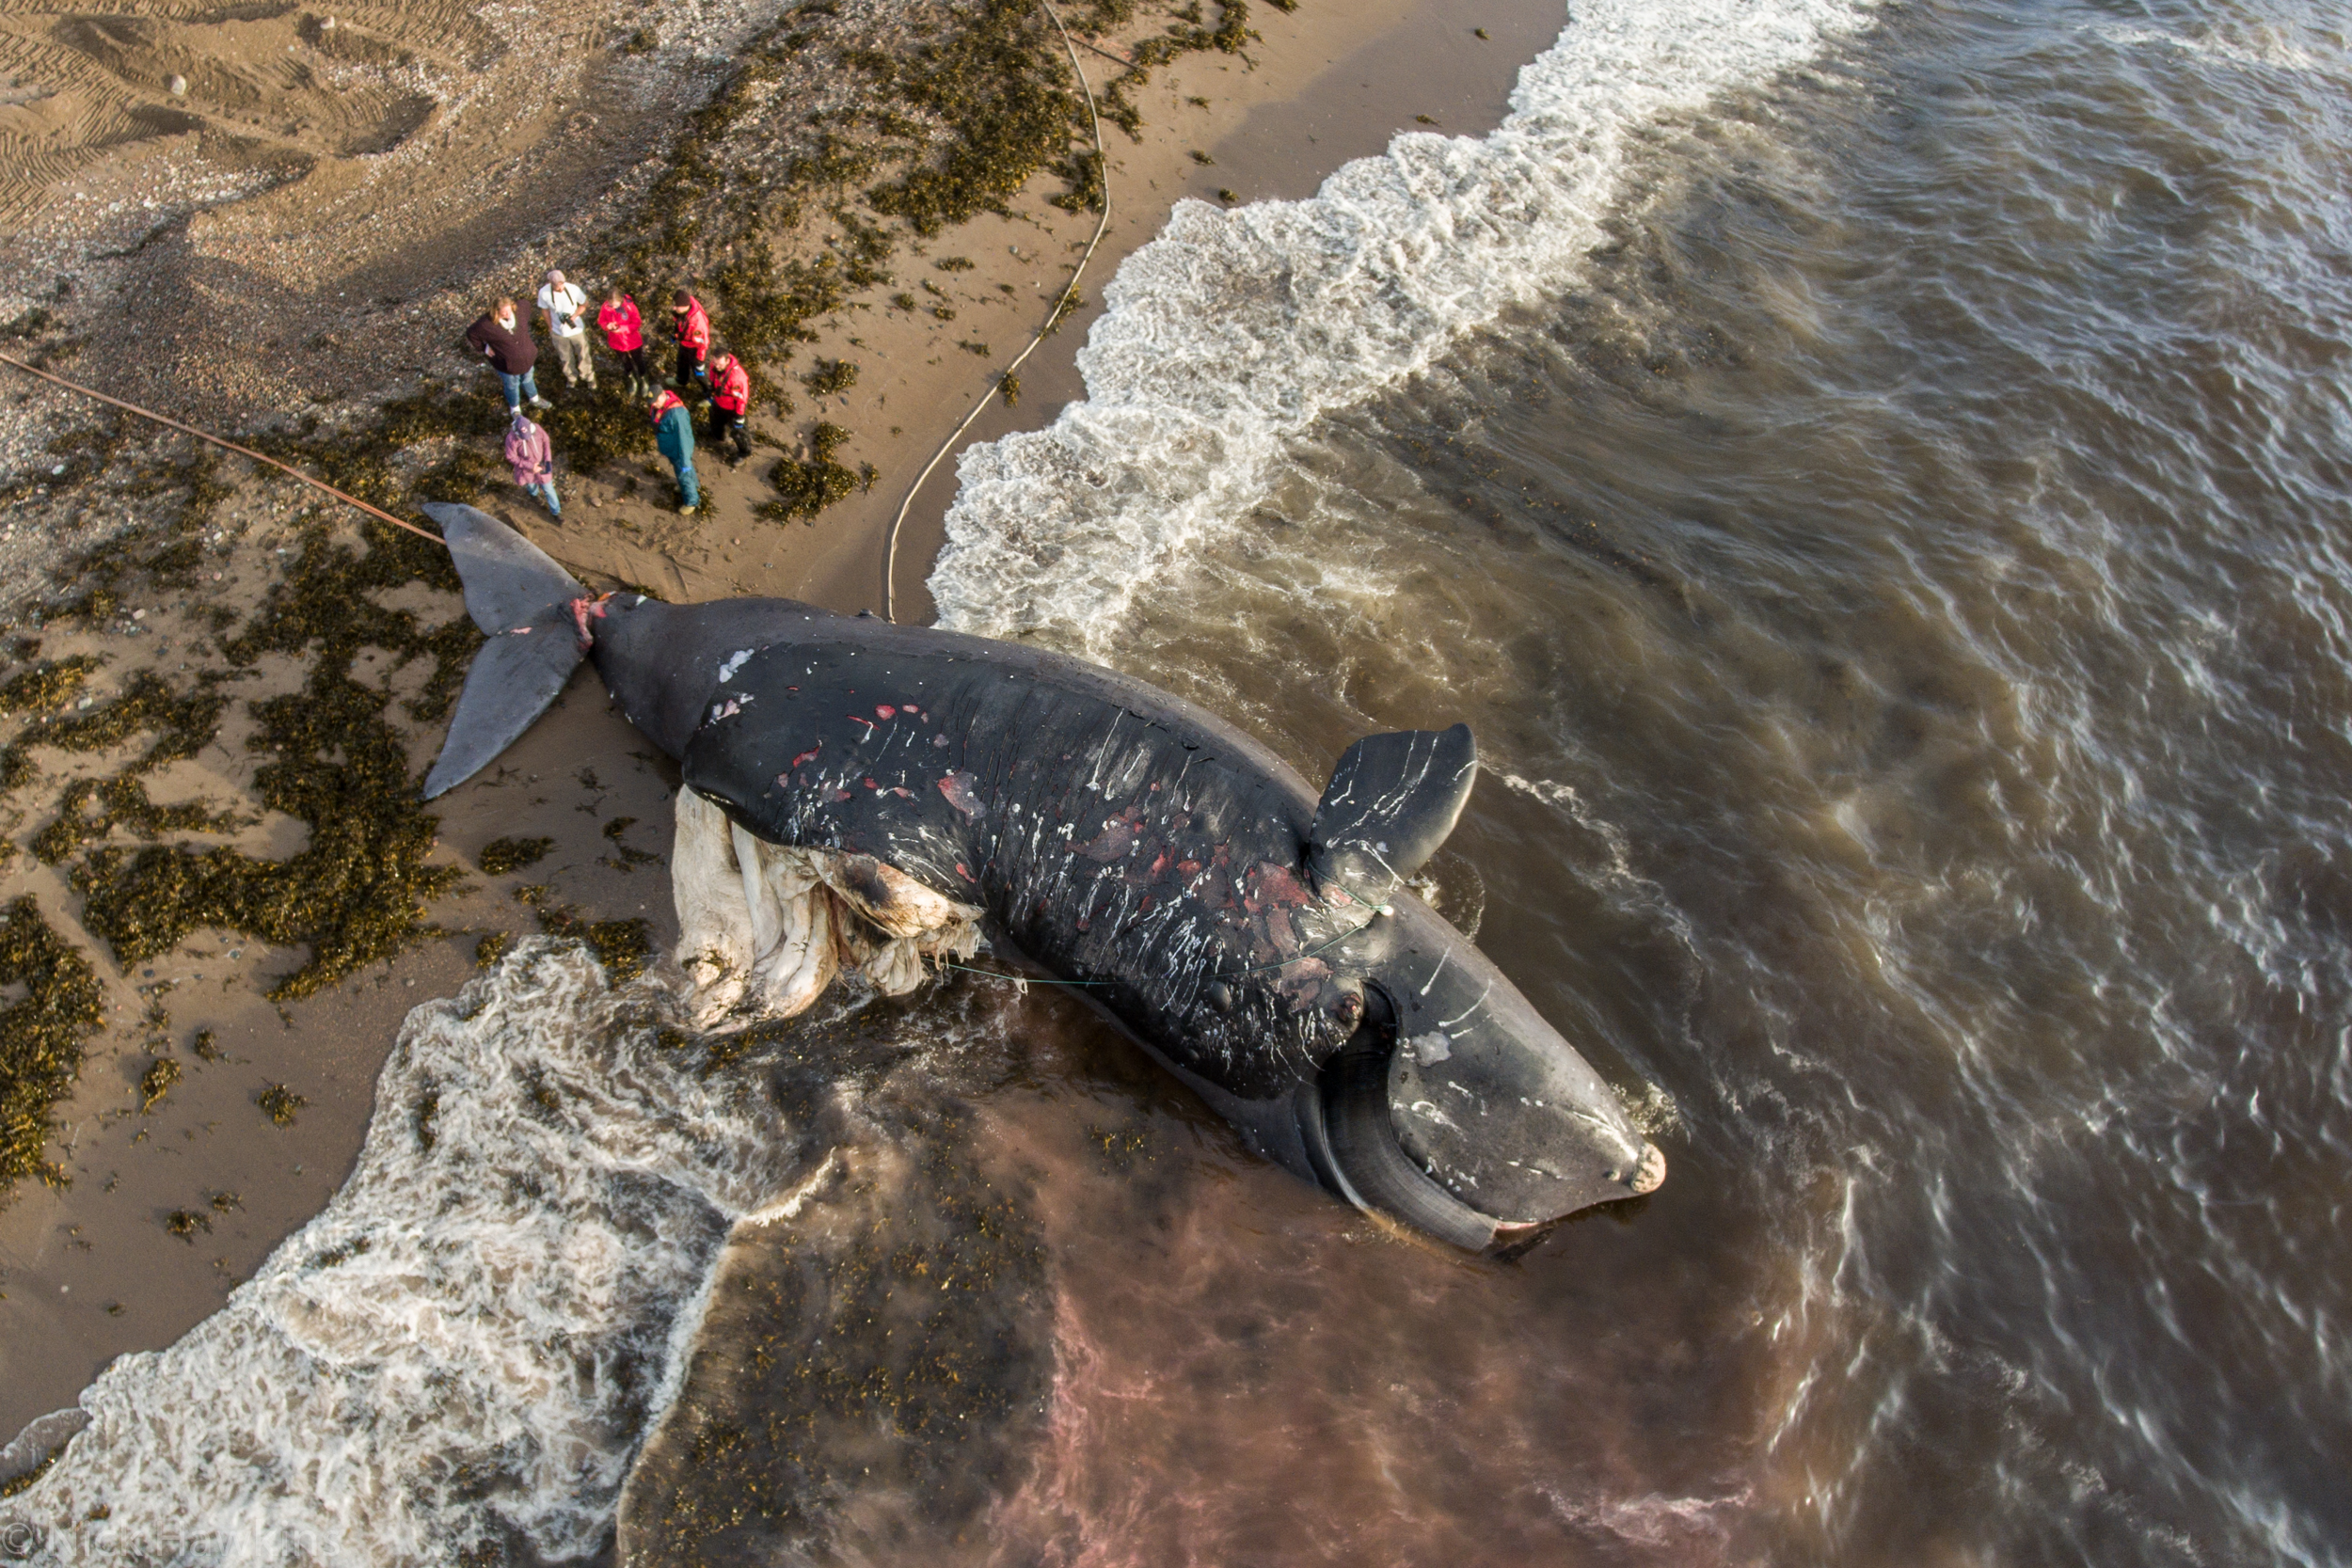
673	433
689	328
730	400
625	335
505	342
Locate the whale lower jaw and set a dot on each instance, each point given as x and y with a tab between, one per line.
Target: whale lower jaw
1343	1116
765	927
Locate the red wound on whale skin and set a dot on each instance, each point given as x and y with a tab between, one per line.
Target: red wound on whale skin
885	711
961	872
956	787
861	719
809	755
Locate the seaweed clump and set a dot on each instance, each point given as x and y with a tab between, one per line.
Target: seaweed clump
502	855
122	802
806	485
280	1103
41	1036
157	1082
830	379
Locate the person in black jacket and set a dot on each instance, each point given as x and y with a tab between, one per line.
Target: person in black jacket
506	343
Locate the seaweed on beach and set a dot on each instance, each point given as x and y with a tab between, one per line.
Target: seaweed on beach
806	485
42	1037
624	947
1001	85
502	855
157	1082
935	133
356	892
280	1103
119	801
46	687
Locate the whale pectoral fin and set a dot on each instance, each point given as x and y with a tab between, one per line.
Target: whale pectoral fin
514	678
509	580
1391	802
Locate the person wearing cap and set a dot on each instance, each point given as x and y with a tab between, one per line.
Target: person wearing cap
566	310
506	343
625	335
730	400
533	457
673	433
689	328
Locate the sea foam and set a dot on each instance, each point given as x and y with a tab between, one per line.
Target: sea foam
464	1349
1235	330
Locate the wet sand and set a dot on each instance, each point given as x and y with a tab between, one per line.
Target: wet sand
89	1272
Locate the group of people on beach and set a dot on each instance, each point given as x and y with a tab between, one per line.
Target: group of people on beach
504	339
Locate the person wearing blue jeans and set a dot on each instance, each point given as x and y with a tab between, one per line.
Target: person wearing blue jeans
506	343
673	433
519	389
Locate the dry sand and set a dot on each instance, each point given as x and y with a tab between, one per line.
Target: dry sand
88	1272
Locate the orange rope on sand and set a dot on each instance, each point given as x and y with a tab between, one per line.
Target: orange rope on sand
248	452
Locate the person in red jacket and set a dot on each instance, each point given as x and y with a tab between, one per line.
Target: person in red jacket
730	399
625	335
689	328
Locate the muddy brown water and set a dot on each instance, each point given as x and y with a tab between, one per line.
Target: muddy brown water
1898	586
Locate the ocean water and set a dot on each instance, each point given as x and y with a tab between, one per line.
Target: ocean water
1875	480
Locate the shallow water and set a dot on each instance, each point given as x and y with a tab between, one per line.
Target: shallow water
1896	578
1874	481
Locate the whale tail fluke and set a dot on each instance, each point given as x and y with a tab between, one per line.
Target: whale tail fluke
520	598
508	579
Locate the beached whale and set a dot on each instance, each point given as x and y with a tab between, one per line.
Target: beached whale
868	794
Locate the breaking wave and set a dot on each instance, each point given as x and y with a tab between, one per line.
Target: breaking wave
463	1351
1235	330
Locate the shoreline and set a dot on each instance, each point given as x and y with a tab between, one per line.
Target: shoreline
1327	87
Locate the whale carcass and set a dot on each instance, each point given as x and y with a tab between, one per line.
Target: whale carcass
889	797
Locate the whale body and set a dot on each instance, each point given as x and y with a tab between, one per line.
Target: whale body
1255	937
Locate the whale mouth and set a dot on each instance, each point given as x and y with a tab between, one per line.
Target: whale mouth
1355	1149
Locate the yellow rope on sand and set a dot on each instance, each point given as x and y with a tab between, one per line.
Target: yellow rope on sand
1103	168
231	445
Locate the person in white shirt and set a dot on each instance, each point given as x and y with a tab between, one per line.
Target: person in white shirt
566	310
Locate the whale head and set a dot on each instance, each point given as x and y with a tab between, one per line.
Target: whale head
1454	1107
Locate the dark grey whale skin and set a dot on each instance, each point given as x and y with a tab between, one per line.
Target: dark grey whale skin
1120	836
1255	940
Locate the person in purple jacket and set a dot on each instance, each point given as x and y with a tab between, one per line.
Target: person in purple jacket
504	339
534	458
